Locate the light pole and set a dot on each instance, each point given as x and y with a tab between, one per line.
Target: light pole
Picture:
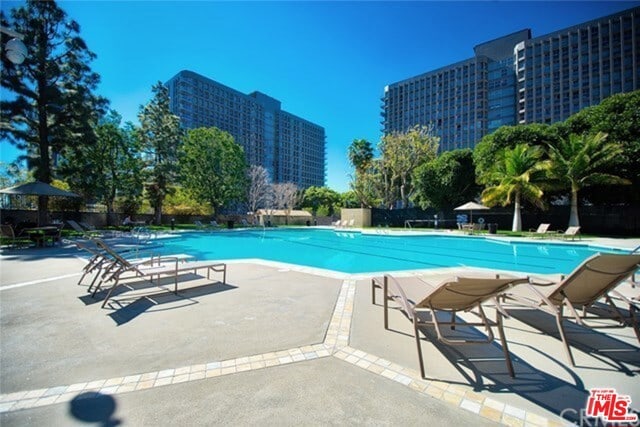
14	49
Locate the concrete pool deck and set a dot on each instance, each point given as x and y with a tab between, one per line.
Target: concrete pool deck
278	345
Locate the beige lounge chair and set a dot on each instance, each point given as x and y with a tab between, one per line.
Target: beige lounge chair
570	232
542	231
420	302
168	266
592	280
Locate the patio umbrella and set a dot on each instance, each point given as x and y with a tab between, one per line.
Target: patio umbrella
471	206
38	188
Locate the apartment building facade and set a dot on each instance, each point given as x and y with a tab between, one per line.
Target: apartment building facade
519	79
289	147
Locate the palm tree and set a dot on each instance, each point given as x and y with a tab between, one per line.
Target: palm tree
578	161
517	174
360	154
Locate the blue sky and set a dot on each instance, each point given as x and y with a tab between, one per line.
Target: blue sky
327	62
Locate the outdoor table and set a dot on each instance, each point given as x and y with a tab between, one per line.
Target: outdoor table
39	234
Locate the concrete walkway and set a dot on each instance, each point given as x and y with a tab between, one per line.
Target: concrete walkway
277	345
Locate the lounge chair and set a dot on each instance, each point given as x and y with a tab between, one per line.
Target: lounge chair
420	301
595	278
108	261
16	241
87	226
214	224
570	232
99	261
169	266
85	232
542	231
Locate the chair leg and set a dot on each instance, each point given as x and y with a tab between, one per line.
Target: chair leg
563	335
115	285
99	285
385	301
503	341
617	314
84	273
93	282
418	346
373	291
634	320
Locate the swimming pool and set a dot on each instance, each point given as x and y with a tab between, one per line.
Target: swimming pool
353	252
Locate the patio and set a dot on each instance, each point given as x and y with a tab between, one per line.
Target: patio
275	344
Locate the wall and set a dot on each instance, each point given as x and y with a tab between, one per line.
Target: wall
361	217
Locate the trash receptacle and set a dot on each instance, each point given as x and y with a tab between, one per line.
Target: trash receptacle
308	223
230	224
493	228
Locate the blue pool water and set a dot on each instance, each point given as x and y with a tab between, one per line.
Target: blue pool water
352	252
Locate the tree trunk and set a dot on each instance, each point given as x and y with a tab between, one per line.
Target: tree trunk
43	169
574	220
43	203
403	195
109	211
517	220
158	213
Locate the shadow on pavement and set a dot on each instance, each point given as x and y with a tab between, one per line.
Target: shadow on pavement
486	362
92	407
128	311
608	349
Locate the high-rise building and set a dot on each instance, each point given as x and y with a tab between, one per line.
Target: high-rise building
519	79
292	149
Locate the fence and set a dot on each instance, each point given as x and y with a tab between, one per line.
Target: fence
621	221
99	219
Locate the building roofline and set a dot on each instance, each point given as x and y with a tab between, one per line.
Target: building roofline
584	24
190	73
437	70
531	39
302	119
528	30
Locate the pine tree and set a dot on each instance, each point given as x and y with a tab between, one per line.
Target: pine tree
160	136
51	104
